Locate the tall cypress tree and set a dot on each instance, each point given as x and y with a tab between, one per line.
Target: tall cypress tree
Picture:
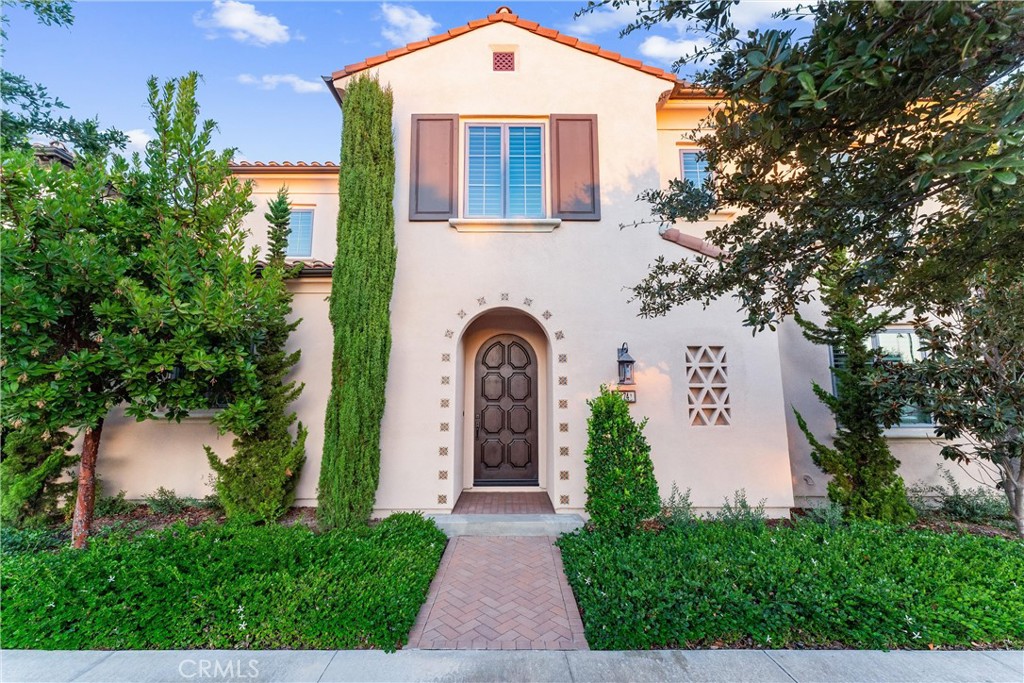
258	480
361	287
864	473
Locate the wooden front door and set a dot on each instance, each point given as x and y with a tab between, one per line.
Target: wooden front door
505	419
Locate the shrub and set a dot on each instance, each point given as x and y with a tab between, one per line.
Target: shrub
111	506
677	509
864	585
14	540
621	488
977	505
740	513
830	515
166	502
30	476
231	586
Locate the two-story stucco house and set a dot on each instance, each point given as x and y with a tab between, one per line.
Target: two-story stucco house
520	153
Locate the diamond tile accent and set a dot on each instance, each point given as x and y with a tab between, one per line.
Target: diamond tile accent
449	333
442	474
563	358
504	296
444	426
563	381
442	499
446	379
708	400
446	357
546	315
481	301
559	335
564	450
461	314
445	402
563	500
563	426
527	302
442	451
562	403
564	475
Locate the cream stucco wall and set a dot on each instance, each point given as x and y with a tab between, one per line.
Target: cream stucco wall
571	283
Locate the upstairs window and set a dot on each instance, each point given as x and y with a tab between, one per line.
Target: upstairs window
300	240
694	167
504	171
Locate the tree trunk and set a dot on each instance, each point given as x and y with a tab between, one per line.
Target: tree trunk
84	503
1012	470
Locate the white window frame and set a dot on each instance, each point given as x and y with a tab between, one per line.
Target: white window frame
312	225
505	125
683	151
873	344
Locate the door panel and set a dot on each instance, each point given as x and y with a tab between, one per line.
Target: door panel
505	417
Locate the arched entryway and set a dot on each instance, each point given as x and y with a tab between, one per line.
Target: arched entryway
505	404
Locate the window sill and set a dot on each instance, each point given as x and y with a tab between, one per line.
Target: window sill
504	224
916	432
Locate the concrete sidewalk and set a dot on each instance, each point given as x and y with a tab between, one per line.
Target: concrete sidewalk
279	666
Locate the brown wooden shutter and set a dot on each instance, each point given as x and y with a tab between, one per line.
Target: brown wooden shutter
575	184
432	191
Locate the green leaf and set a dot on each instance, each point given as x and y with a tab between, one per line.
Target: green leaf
768	82
807	81
1005	177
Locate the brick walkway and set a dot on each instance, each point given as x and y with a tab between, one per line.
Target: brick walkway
488	503
499	593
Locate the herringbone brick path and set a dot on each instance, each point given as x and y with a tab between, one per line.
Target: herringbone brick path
499	593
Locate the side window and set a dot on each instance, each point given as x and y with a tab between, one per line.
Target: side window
693	167
896	345
300	240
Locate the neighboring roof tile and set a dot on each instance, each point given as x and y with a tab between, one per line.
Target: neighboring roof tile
284	167
311	267
691	242
505	15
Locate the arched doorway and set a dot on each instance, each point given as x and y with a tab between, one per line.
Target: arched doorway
505	418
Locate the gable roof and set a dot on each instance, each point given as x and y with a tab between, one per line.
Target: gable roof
505	15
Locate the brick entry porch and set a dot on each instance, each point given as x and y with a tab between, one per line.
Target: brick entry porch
503	503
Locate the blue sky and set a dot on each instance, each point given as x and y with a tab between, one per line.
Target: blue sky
262	61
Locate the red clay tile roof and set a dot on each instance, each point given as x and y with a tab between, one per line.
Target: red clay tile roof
504	14
311	267
691	242
284	167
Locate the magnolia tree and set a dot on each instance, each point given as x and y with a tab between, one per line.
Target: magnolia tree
129	286
841	134
972	382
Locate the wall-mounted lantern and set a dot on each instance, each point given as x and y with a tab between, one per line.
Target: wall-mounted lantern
625	365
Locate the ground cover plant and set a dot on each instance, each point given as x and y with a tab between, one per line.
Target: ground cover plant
862	585
222	586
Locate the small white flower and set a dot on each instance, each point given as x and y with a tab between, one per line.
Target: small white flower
769	639
908	619
240	609
587	580
51	604
110	579
917	635
814	562
241	626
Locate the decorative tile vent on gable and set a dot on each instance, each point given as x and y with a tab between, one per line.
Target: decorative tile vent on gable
708	398
503	61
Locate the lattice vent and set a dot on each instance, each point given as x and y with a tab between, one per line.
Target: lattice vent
707	375
504	61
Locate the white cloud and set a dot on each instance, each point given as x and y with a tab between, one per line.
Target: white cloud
601	20
137	139
243	23
406	25
751	14
667	51
271	81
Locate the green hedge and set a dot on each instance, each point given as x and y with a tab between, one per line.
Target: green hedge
230	586
860	586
